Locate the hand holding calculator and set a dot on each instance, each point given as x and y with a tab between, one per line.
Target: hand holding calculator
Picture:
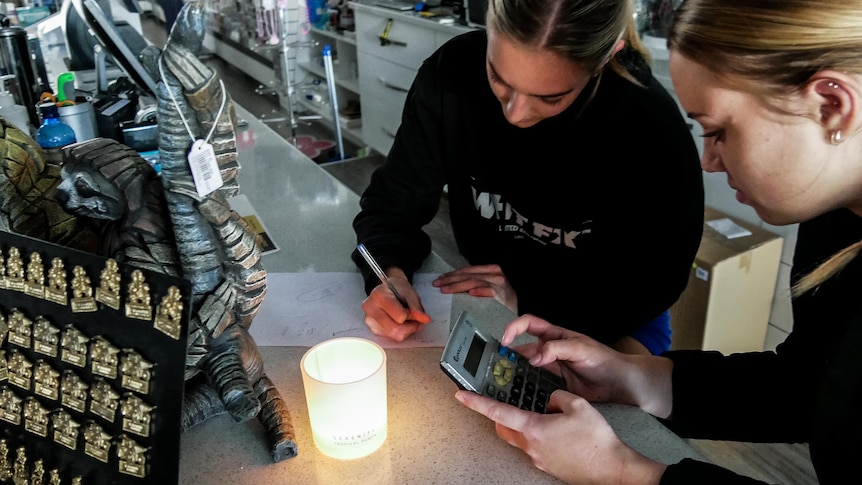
478	362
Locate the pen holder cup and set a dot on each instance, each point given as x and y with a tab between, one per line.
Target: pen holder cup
345	390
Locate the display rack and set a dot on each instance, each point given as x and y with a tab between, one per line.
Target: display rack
92	368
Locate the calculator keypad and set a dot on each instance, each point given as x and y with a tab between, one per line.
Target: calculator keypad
513	380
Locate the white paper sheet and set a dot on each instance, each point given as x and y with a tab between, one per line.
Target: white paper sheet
303	309
728	228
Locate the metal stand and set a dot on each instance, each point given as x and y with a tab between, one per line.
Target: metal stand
286	86
333	98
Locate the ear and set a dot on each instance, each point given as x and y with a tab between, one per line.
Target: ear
837	99
617	47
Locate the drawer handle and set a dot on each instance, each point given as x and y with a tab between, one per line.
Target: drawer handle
391	86
384	37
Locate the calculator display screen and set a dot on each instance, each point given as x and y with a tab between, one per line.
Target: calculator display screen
474	355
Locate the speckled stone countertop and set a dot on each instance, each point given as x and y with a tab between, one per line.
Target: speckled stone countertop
431	438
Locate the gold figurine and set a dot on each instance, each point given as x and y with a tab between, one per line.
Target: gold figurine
65	429
170	313
136	371
4	328
36	417
138	300
4	367
2	285
103	358
108	291
47	380
5	466
35	283
38	474
73	391
10	406
104	400
96	442
20	370
46	337
133	459
19	470
57	285
20	329
82	292
15	270
73	344
54	477
136	415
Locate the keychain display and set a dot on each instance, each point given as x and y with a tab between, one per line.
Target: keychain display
91	378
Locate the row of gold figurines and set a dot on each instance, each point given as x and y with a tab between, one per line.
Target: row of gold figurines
131	456
104	402
31	281
21	474
67	387
74	347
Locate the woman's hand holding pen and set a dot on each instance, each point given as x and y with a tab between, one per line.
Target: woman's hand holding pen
384	314
485	280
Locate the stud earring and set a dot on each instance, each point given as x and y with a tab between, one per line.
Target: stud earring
833	85
836	138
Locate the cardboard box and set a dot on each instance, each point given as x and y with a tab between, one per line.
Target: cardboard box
727	302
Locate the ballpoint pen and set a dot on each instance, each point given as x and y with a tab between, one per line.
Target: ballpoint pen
380	274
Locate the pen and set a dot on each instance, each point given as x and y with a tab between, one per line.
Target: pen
380	274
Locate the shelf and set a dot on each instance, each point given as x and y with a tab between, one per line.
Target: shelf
351	85
336	36
352	134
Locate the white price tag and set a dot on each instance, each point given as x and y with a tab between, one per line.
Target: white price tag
204	167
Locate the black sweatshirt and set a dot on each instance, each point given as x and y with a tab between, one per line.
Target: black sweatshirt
808	391
594	215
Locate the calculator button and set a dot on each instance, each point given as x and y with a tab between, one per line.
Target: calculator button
491	390
501	396
503	373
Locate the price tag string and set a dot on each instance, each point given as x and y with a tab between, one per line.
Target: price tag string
179	111
201	157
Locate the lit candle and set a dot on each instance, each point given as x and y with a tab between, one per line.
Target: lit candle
345	390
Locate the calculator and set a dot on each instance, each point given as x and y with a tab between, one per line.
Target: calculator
478	362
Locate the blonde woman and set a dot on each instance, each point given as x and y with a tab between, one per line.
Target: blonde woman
565	161
777	87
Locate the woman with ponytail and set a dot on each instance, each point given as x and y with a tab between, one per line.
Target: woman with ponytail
564	158
777	87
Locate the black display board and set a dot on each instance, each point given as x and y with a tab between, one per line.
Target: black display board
111	416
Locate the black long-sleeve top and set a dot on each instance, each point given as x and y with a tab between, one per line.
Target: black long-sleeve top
808	391
602	203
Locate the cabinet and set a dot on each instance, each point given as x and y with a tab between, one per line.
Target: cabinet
387	69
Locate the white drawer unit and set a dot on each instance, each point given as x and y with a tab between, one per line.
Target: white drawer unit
381	118
387	68
383	79
407	44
